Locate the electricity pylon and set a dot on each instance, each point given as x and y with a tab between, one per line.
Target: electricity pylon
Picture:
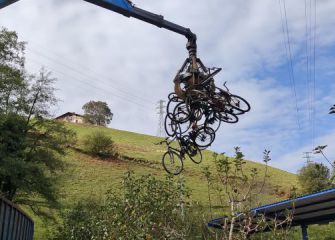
308	157
161	112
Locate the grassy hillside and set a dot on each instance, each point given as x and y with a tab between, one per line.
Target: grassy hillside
86	176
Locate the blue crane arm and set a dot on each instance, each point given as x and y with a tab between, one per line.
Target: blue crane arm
126	8
120	6
5	3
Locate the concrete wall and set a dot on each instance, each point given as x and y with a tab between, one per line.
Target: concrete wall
73	119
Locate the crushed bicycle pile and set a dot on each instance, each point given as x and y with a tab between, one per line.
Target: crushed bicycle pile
195	112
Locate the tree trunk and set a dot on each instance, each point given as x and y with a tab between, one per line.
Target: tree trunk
231	230
7	188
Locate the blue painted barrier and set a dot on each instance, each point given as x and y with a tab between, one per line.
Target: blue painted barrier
14	223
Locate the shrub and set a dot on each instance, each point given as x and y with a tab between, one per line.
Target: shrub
314	177
100	144
143	208
84	221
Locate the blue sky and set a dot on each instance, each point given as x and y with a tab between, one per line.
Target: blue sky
100	55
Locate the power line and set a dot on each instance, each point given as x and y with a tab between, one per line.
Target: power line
314	75
310	33
309	60
287	43
161	112
307	63
73	69
129	91
91	85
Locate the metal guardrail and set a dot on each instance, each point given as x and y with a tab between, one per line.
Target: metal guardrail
14	223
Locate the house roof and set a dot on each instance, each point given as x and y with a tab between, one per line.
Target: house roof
69	114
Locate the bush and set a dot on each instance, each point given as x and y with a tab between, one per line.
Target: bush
84	221
143	208
314	177
100	144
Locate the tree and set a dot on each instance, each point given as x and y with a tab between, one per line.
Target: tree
314	177
97	113
12	84
235	191
11	50
31	145
30	156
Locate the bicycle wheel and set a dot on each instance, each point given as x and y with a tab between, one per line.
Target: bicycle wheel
172	95
173	101
172	162
224	95
195	110
228	117
213	122
232	110
239	103
181	113
203	137
173	127
218	102
183	127
194	153
170	125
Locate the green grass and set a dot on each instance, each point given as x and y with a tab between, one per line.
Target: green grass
86	176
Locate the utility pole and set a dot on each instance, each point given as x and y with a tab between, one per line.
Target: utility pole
161	112
308	157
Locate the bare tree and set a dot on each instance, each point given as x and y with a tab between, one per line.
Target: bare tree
237	190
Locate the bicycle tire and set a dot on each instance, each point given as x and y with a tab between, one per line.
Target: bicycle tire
183	127
212	121
194	154
228	117
170	126
172	95
219	102
173	128
173	101
195	109
239	103
172	162
222	93
203	137
230	109
181	113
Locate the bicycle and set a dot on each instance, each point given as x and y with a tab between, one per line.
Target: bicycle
173	158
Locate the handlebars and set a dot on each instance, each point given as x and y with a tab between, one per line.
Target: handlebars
164	141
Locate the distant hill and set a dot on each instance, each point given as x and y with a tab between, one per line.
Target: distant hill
87	176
